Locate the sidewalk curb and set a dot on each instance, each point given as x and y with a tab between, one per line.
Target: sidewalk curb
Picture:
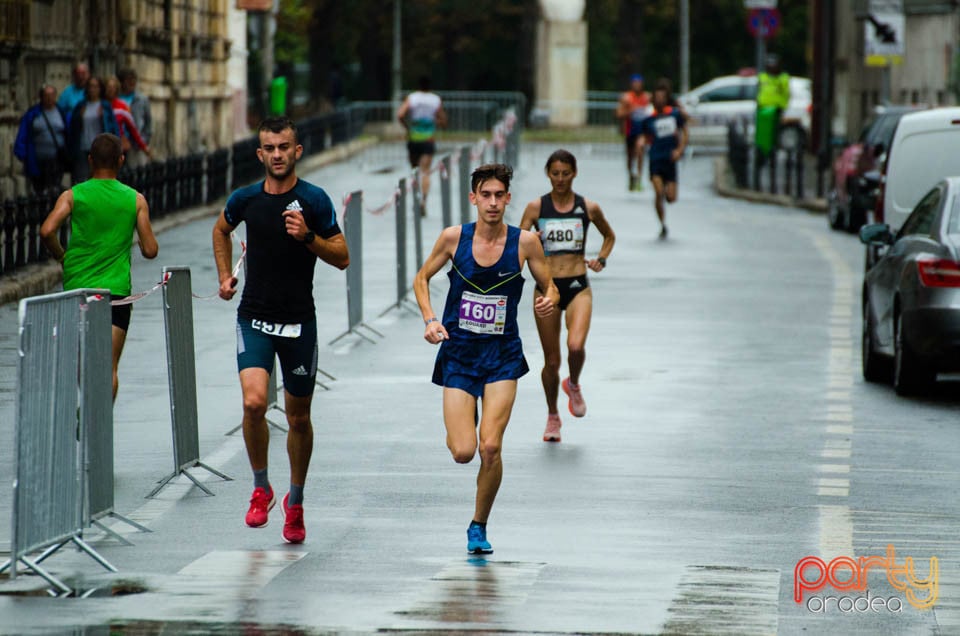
40	278
722	183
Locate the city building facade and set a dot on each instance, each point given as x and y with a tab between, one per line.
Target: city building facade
180	50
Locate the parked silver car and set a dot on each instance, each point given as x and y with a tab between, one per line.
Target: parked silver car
911	295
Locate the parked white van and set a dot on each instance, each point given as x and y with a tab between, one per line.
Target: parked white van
925	149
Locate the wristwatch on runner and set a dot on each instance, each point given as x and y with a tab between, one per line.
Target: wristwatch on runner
309	236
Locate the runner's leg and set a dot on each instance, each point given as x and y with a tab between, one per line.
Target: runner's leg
299	437
426	162
658	194
256	435
498	398
118	337
671	191
459	411
578	313
549	330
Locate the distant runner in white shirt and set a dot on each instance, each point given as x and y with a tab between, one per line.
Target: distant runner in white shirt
421	113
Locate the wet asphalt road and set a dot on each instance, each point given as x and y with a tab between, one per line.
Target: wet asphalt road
729	434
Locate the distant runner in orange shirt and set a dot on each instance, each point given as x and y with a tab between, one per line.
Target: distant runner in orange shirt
634	104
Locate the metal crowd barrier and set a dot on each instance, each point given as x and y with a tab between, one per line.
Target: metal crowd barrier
53	372
353	232
96	416
182	377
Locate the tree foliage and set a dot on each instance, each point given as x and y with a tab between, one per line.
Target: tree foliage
491	44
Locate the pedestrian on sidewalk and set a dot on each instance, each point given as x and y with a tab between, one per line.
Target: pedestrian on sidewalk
139	105
561	218
290	224
41	142
91	117
481	356
104	214
130	135
75	92
665	131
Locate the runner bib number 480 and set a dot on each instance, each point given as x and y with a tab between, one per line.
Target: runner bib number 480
276	329
562	235
483	314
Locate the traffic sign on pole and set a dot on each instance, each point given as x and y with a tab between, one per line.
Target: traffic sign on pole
763	23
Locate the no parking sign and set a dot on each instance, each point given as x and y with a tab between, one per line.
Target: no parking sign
763	23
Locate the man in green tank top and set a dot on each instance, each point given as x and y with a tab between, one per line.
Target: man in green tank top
103	216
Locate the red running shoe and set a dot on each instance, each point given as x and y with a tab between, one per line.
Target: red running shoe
578	408
293	529
261	503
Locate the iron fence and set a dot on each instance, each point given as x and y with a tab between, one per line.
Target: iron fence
169	186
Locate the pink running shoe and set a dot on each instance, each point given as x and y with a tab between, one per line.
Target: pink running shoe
293	528
578	408
261	503
552	432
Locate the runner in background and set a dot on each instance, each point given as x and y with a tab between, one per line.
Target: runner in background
104	214
666	133
633	106
562	218
421	113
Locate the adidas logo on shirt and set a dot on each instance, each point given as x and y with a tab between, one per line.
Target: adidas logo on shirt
295	205
299	371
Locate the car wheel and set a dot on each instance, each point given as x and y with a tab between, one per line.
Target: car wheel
910	375
875	367
834	215
858	217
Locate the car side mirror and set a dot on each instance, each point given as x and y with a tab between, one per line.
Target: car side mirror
876	234
872	178
878	150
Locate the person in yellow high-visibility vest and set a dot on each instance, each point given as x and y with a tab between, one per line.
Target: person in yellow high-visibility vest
773	96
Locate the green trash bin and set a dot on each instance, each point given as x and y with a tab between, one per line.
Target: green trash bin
278	96
766	128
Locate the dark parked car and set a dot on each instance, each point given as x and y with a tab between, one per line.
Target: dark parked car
911	295
853	195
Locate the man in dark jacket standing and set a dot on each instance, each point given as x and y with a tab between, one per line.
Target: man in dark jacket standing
41	142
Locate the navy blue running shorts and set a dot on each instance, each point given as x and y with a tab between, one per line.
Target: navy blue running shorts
665	169
298	356
472	365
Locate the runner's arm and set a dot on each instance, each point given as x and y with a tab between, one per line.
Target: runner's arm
441	117
222	253
544	305
332	251
609	238
148	240
623	108
402	112
681	144
531	214
443	251
51	225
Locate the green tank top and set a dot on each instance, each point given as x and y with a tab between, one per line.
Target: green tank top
101	231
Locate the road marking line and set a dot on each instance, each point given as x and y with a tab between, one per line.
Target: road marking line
840	429
834	468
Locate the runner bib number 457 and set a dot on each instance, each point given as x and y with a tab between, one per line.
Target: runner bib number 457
483	314
276	329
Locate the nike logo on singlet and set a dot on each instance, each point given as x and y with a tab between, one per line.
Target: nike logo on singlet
502	274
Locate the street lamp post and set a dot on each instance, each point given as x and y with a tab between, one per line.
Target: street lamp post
397	53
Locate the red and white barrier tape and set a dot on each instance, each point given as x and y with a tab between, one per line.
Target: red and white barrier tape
234	274
132	298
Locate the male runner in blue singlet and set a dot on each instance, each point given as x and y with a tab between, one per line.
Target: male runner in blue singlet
481	356
290	224
666	133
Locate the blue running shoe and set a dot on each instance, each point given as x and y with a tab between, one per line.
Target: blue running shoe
477	540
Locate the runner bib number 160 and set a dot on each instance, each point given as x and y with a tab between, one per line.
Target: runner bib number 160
483	314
